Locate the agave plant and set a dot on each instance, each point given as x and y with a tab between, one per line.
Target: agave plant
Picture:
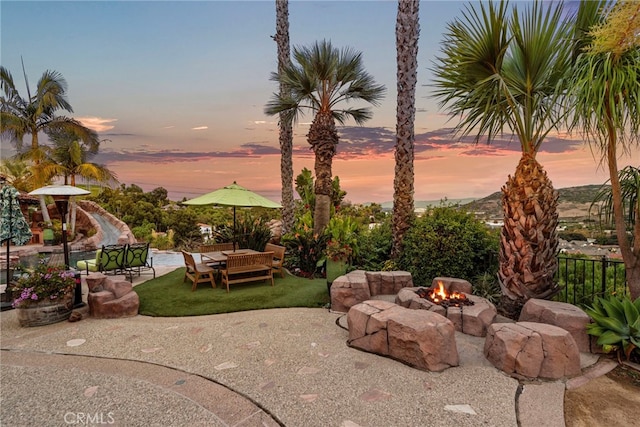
616	324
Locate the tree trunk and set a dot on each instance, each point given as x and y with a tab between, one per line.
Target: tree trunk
407	33
630	255
528	241
38	178
46	218
286	129
323	138
73	214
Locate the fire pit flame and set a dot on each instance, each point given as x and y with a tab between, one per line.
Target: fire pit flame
440	296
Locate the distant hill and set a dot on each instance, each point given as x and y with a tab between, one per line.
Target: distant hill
573	202
421	204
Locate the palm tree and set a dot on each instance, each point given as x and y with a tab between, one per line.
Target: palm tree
605	104
17	173
407	33
505	71
321	78
37	113
285	126
71	158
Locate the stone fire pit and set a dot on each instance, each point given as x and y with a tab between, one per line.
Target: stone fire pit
471	320
420	333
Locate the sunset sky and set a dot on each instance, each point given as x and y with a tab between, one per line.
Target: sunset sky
177	89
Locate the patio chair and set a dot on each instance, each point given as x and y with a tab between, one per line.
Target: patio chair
215	247
228	246
108	258
137	259
197	272
278	257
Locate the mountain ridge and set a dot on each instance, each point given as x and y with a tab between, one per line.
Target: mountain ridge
573	202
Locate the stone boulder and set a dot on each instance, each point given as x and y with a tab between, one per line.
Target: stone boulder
349	290
388	282
111	298
419	338
451	284
358	286
562	314
532	350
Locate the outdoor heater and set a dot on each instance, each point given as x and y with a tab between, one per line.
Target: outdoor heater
61	195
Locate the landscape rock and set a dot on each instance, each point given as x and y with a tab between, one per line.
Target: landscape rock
567	316
532	350
451	284
109	298
388	282
358	286
419	338
95	282
349	290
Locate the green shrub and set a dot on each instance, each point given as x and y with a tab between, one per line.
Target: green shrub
375	247
449	242
343	234
252	232
580	278
186	231
162	242
486	286
143	232
616	324
572	235
305	250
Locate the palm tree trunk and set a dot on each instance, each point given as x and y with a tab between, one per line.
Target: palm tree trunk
323	138
407	32
528	241
285	126
38	179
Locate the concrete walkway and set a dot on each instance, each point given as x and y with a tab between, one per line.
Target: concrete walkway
287	367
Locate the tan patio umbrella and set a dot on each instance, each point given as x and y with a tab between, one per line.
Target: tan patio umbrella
233	195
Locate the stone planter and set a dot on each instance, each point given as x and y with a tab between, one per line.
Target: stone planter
45	312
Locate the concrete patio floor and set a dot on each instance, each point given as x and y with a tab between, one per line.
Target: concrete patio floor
287	367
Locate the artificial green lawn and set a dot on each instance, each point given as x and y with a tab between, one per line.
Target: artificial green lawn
169	296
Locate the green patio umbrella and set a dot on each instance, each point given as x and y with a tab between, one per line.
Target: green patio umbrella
233	195
13	227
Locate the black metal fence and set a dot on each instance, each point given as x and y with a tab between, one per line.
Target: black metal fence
583	279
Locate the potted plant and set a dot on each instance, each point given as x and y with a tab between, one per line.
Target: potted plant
44	295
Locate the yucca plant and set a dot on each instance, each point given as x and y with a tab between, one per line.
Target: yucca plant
503	69
616	324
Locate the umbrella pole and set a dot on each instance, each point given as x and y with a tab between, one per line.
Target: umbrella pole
234	229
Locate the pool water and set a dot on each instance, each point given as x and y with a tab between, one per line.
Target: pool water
159	258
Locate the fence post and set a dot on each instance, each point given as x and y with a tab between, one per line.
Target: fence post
604	275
